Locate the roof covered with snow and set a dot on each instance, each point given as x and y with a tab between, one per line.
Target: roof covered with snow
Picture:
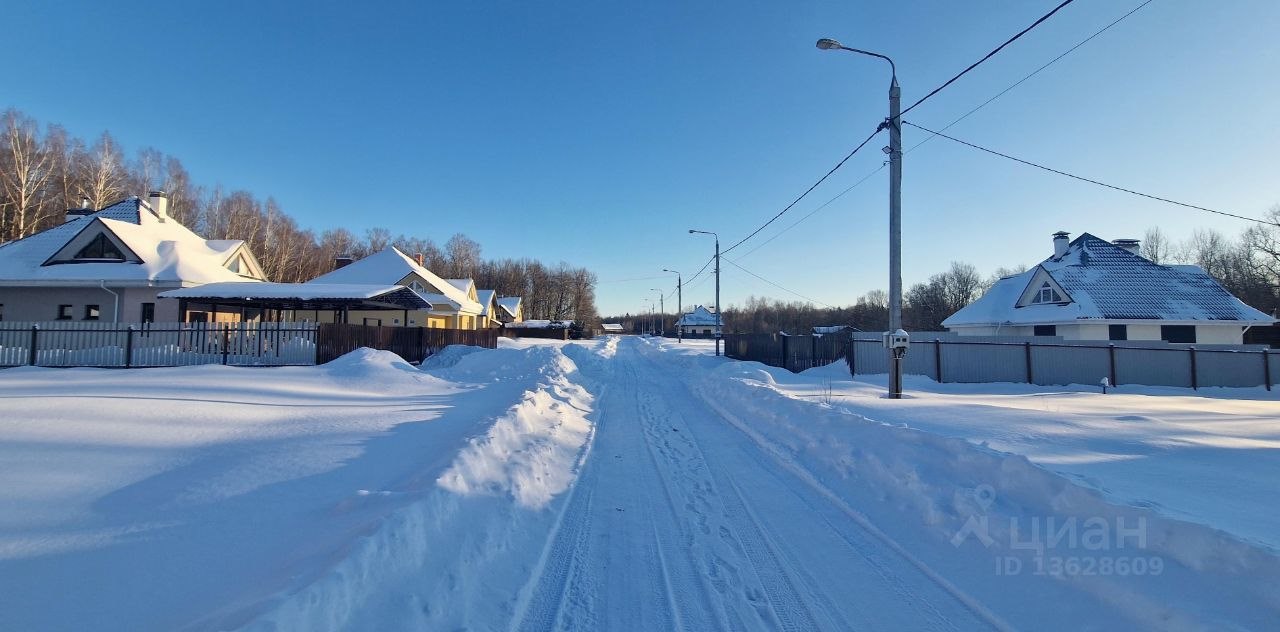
486	300
1103	281
390	267
510	305
698	317
156	252
326	293
541	324
611	327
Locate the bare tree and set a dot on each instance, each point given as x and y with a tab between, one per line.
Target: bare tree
25	169
1155	246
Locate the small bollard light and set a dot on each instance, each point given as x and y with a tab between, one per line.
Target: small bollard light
1105	383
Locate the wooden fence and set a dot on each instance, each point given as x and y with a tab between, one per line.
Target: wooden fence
140	345
414	344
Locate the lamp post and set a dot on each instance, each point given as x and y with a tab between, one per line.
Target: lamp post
679	303
662	311
895	339
719	319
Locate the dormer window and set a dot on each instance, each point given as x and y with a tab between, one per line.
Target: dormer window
100	248
1046	294
417	287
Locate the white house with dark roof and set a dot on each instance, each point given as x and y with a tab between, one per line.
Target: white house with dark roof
110	264
452	307
1092	289
701	321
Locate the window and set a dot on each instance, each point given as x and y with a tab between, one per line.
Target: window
1046	294
64	312
234	266
91	312
1178	333
100	248
148	312
1118	332
1	312
1045	330
376	322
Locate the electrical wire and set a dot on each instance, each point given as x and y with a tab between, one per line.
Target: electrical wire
1091	181
734	264
1032	74
985	57
802	195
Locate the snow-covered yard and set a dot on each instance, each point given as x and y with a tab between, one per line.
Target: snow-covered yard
625	483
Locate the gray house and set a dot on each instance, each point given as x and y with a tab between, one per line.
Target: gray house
1092	289
110	264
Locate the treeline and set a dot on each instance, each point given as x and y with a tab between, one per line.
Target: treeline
44	172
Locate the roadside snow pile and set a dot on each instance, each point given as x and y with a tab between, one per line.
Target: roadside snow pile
448	356
459	555
532	452
1000	508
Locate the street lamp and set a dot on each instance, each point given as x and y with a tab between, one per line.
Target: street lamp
679	303
895	339
662	311
719	320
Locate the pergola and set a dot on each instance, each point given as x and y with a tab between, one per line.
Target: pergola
271	300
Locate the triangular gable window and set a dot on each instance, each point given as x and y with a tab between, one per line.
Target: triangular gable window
100	248
1046	294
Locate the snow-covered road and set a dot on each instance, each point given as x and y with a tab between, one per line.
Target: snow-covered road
620	484
681	521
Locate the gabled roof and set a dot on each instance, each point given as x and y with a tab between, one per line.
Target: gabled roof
167	253
486	300
390	267
698	317
510	305
1107	282
315	294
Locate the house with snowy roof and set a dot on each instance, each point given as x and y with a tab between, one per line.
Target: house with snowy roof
1092	289
110	264
510	309
701	321
453	303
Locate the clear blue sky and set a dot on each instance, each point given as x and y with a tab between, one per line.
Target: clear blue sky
598	133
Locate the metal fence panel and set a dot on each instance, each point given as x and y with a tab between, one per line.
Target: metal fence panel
1228	368
1153	367
979	362
1069	365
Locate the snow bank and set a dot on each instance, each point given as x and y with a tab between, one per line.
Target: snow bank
998	507
458	556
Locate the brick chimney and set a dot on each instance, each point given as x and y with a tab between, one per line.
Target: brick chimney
77	213
419	258
342	261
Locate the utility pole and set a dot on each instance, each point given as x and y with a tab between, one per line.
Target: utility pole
662	311
679	304
896	340
719	318
895	238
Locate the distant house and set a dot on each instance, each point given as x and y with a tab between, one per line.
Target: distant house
453	303
611	328
700	321
510	309
1092	289
826	330
488	300
110	265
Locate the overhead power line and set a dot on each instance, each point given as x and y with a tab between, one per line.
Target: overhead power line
777	286
1032	73
966	114
986	57
1090	180
802	195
